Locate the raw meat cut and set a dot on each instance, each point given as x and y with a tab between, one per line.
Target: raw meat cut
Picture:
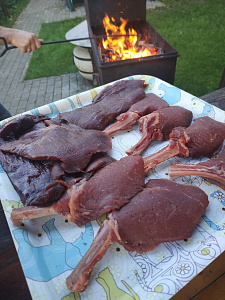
42	183
109	188
28	157
159	124
150	103
120	89
98	160
72	146
213	170
19	126
164	211
112	101
204	137
32	180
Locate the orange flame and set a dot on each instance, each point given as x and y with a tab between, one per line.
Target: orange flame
124	47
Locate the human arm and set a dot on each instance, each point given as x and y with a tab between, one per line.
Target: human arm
24	40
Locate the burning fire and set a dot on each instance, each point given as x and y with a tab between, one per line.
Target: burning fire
124	47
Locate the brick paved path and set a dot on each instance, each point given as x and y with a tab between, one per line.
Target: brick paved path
18	95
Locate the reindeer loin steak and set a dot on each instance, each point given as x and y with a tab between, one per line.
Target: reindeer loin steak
204	137
42	162
107	105
32	180
21	125
159	124
213	170
150	103
163	211
73	147
109	188
42	183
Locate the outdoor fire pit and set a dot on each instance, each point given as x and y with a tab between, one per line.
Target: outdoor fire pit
142	50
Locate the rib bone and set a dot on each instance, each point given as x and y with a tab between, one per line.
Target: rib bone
204	137
213	170
31	212
78	279
109	188
163	211
177	142
158	126
125	121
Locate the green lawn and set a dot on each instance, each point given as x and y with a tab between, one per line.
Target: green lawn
196	29
14	9
55	59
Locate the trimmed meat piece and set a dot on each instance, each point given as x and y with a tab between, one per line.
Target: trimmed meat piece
173	210
73	147
108	189
150	103
164	211
21	125
32	180
158	126
42	183
204	137
112	101
119	88
99	160
213	170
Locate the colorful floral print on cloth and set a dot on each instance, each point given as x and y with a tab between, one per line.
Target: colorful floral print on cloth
50	247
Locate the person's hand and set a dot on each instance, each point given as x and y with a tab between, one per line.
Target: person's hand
25	41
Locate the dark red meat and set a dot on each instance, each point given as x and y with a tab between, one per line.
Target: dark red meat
32	180
21	125
163	211
108	189
159	124
203	138
42	183
112	101
36	158
73	147
150	103
173	210
98	161
206	137
119	90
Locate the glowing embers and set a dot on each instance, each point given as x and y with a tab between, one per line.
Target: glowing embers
124	43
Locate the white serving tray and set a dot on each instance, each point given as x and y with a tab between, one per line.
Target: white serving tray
50	247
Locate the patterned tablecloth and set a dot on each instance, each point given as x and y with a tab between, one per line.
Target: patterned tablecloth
50	247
